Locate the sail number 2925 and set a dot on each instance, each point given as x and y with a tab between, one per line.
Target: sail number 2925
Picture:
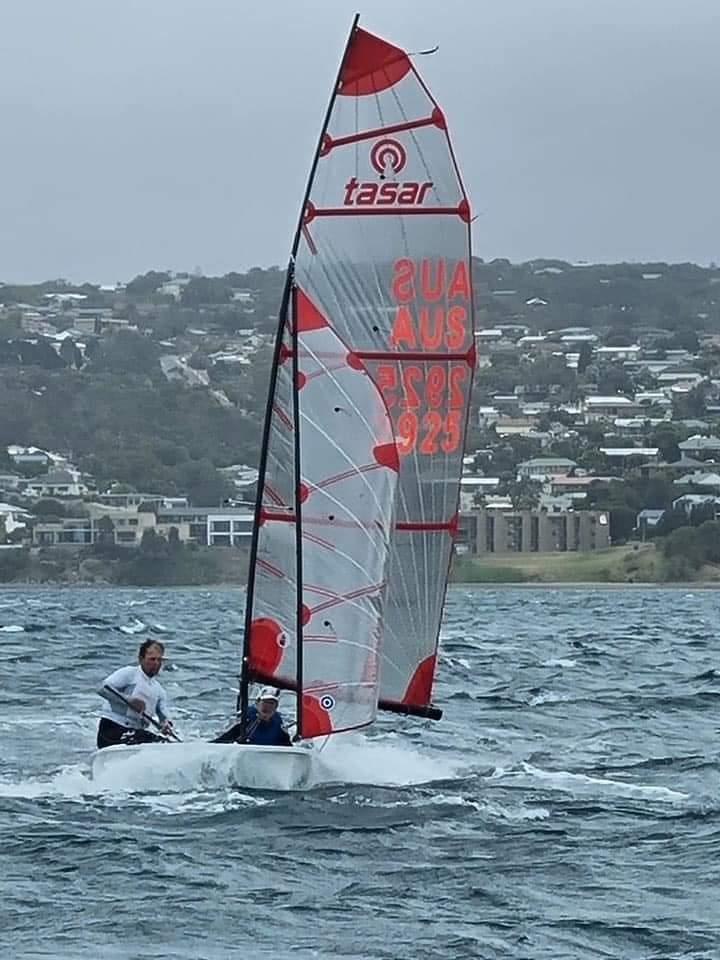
426	405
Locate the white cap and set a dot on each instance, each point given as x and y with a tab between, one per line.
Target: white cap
269	693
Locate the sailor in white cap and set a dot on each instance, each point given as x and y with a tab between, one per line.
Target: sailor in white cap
264	725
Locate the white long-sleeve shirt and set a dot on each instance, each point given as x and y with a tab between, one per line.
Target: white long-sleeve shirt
133	682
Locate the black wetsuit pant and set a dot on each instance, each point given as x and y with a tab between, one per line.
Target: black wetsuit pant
230	736
110	734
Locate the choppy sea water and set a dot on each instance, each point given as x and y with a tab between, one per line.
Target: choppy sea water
566	806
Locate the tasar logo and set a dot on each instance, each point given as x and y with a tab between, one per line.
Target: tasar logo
387	158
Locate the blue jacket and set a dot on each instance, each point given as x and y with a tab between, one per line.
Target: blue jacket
266	733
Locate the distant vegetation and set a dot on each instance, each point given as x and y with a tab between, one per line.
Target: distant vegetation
119	418
156	562
106	403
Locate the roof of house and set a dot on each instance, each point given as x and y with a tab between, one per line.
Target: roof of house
629	451
55	476
548	462
652	516
616	401
700	479
573	481
700	443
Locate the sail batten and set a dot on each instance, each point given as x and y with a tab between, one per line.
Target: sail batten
461	211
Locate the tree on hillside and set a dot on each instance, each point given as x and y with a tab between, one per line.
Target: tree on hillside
48	508
206	290
153	544
205	487
613	379
693	403
666	437
524	494
685	542
146	283
71	354
622	523
105	531
199	360
584	357
127	352
39	352
619	338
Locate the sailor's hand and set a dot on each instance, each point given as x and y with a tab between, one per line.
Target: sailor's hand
167	727
137	704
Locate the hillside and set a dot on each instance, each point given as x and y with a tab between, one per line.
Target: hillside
159	382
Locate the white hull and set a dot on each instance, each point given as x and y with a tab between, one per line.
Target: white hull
157	765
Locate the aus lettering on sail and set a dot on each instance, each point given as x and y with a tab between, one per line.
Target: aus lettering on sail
433	306
426	389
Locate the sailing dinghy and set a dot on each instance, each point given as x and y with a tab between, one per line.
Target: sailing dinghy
363	440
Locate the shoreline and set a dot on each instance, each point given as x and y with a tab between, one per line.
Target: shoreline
633	565
463	584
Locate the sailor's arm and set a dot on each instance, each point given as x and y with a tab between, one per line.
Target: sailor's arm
121	680
161	709
286	735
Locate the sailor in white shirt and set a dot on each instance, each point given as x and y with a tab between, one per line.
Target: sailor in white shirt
121	723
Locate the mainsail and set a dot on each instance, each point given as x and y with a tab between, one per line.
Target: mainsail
362	454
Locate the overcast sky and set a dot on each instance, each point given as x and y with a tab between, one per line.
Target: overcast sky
172	134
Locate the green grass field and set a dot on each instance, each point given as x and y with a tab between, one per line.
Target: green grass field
639	563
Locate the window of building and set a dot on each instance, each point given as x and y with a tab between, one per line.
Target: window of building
534	534
490	534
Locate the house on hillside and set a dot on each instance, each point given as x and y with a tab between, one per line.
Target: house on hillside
55	483
704	448
211	526
473	487
647	521
689	501
28	456
607	408
711	481
173	288
543	468
174	368
629	456
13	517
243	477
619	353
9	481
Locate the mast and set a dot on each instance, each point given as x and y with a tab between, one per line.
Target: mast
245	677
298	514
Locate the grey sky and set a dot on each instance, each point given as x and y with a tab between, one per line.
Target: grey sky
170	134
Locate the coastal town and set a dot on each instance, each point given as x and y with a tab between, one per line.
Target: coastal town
594	421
